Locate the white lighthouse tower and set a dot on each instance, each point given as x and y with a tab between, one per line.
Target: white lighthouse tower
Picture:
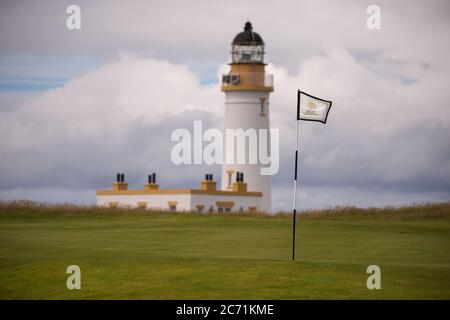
247	88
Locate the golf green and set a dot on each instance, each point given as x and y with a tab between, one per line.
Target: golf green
138	255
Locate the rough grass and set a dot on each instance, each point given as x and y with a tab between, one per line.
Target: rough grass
136	254
30	209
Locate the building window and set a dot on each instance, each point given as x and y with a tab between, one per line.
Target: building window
113	204
224	205
172	205
142	204
220	209
199	208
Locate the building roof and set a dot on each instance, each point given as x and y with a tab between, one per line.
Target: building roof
248	36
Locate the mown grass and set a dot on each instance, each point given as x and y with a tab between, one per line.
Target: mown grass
135	254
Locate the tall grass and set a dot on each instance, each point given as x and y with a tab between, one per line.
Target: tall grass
411	212
30	209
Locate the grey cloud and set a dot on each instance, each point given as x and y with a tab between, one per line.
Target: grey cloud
386	141
78	136
183	31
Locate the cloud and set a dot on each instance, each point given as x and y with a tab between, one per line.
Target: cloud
386	141
116	118
381	138
381	132
191	32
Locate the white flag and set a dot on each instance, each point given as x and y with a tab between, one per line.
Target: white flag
311	108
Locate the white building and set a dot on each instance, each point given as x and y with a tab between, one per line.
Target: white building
205	199
247	88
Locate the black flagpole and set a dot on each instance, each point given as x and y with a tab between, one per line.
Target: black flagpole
295	178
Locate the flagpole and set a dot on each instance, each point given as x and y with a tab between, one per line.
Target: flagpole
295	178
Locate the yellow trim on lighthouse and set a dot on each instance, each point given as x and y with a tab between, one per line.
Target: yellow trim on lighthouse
252	77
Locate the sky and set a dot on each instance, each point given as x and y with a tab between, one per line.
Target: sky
77	106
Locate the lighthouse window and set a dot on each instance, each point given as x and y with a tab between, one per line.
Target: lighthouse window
263	106
246	57
247	53
230	174
234	78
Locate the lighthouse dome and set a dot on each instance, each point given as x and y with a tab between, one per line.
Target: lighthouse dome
248	36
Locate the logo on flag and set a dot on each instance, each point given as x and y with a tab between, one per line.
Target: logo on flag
311	108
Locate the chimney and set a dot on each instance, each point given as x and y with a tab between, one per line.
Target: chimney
208	184
120	184
151	185
239	185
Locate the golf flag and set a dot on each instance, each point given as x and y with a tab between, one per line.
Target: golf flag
311	108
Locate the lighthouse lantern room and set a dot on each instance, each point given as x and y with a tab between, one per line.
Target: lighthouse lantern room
247	47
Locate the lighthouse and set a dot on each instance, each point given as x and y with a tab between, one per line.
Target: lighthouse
247	88
244	187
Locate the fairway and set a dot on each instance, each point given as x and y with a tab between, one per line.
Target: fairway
138	255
